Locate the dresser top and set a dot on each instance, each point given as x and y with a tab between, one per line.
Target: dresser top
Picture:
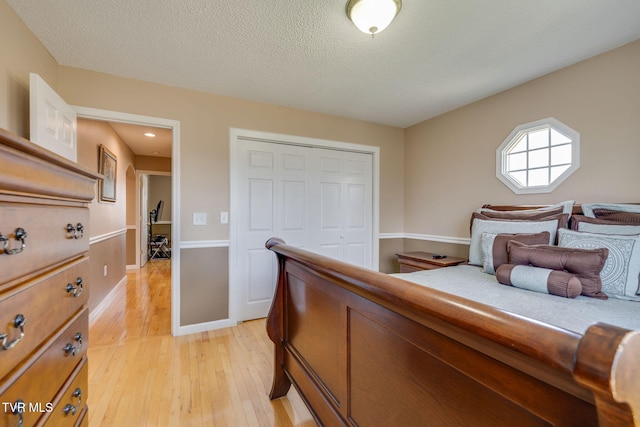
27	169
15	141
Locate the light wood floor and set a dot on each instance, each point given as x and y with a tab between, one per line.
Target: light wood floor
139	375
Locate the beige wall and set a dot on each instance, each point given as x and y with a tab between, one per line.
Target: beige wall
160	189
109	252
156	164
204	278
450	160
21	53
131	194
131	244
106	217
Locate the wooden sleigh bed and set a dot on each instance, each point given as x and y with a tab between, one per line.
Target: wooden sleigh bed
368	349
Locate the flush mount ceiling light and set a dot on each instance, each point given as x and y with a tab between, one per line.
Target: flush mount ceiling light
150	134
373	16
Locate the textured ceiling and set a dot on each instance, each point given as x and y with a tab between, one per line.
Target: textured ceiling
436	56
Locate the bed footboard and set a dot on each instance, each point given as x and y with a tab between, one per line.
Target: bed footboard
363	348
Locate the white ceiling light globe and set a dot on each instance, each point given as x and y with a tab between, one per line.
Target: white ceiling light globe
373	16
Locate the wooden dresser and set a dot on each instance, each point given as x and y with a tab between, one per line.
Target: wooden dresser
44	245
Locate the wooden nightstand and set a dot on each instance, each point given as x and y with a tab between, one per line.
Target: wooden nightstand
416	261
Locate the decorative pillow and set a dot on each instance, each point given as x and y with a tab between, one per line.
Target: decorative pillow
494	247
623	217
603	225
545	212
521	215
538	279
620	211
560	208
481	224
586	264
621	271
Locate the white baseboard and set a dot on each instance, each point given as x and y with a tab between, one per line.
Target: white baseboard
104	304
205	326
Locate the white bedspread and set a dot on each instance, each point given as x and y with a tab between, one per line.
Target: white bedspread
573	314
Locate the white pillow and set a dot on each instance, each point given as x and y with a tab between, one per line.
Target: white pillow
621	273
588	208
480	226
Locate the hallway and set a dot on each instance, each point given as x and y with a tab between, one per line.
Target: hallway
139	375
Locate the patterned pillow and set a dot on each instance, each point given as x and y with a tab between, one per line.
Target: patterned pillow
539	279
494	247
621	272
586	264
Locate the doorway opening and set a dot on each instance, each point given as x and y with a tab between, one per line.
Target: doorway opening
155	216
174	127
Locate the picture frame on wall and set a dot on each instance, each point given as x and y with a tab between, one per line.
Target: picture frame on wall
108	165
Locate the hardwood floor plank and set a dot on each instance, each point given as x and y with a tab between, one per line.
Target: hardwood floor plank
139	375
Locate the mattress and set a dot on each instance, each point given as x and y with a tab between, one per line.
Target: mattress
574	314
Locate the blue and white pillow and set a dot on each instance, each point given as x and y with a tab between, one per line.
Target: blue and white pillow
622	229
621	273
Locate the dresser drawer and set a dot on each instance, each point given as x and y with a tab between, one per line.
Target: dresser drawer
71	405
39	386
46	304
47	241
83	418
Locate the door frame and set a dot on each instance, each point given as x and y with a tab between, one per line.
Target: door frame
174	125
143	210
234	204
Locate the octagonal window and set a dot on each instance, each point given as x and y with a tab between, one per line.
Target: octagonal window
536	157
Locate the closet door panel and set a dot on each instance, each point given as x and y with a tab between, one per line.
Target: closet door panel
313	198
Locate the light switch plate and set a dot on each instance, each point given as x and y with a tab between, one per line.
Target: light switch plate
224	217
199	218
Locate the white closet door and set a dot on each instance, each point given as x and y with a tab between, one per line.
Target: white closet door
273	194
343	200
317	199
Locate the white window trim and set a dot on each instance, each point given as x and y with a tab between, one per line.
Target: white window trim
501	164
